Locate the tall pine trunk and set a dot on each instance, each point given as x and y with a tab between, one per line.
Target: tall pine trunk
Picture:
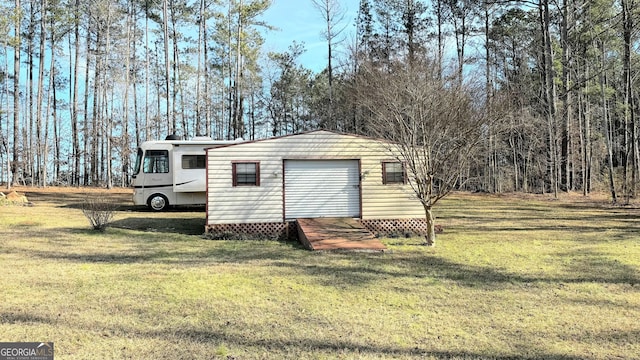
171	123
75	131
16	167
54	110
199	97
565	142
607	124
549	95
41	162
86	156
630	145
207	97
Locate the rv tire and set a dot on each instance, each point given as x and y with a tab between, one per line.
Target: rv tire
158	202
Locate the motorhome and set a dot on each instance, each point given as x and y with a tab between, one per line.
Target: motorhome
172	172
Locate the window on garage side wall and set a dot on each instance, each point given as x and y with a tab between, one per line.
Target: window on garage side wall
393	172
246	173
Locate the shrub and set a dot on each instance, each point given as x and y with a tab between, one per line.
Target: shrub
99	211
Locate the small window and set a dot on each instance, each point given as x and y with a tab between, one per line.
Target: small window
246	173
193	161
393	173
156	161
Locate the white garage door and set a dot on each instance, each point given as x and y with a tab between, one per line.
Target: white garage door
321	188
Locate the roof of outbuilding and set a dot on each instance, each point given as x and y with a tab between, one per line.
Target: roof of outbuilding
297	134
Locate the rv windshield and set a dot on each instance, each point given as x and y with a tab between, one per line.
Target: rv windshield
136	169
156	161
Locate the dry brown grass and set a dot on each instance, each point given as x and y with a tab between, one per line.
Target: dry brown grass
510	278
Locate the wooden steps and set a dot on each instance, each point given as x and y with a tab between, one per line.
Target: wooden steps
336	234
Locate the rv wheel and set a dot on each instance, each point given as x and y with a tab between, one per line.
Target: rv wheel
158	202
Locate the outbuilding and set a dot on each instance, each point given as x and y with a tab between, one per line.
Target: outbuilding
259	188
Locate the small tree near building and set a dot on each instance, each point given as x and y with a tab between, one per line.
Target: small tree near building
433	126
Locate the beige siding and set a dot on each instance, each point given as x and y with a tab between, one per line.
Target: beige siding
227	205
243	204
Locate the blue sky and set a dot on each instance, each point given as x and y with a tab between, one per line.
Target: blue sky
299	20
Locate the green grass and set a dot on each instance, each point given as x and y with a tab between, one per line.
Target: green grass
510	277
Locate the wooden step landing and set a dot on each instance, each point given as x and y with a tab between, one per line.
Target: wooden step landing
336	234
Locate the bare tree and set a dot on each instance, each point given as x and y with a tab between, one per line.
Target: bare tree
433	126
332	15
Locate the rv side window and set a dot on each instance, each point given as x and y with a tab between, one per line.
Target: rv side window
156	161
136	168
193	161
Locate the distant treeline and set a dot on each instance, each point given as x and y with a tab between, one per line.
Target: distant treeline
82	83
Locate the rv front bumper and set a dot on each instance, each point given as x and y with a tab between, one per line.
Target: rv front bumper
138	197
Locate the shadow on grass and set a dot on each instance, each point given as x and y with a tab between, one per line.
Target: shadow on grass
345	269
101	257
326	269
124	205
184	225
358	271
158	238
240	338
589	266
591	232
336	273
157	248
336	347
24	318
620	338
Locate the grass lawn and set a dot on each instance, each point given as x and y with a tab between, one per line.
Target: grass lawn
511	277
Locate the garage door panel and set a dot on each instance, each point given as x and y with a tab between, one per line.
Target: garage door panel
322	188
